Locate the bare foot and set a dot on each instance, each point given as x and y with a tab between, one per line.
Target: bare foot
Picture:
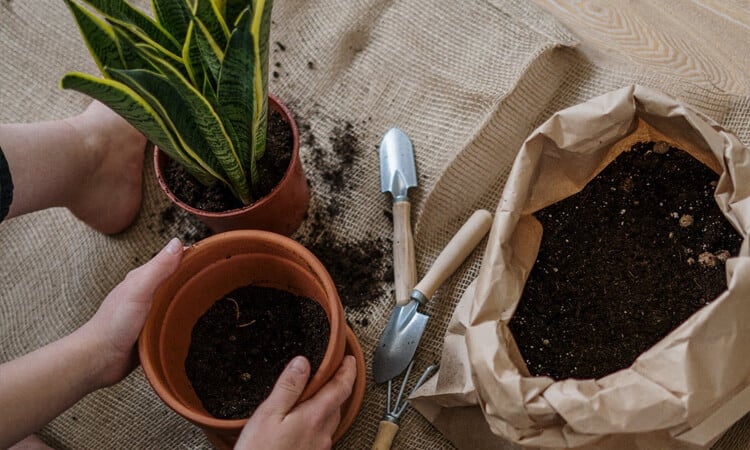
31	443
109	195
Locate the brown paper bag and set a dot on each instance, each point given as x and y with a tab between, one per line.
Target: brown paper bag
684	391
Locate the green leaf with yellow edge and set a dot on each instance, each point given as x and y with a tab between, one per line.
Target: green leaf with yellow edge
137	35
213	19
128	50
211	53
173	15
130	106
99	37
260	29
156	90
235	92
233	10
191	57
210	125
122	11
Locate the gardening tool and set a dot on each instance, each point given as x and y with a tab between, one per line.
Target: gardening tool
397	175
404	329
388	427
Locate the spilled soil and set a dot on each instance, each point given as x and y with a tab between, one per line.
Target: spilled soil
360	268
623	263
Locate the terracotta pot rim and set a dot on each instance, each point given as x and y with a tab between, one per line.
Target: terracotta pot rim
202	419
353	348
289	119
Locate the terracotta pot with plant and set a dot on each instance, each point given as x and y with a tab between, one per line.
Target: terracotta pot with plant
194	81
208	285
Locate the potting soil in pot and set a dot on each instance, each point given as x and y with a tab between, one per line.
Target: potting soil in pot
243	342
622	263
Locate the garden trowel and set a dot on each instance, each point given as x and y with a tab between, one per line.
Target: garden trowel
397	175
404	329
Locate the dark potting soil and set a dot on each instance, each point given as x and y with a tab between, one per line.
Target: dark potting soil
271	167
243	342
622	263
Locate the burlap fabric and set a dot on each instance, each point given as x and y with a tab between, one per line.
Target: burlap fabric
467	81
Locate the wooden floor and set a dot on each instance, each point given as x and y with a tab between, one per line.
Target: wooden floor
705	41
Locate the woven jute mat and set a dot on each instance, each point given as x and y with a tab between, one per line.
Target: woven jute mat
468	81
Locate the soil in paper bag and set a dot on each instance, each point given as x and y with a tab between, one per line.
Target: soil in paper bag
622	263
239	347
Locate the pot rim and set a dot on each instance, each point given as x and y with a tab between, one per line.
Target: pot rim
288	117
152	365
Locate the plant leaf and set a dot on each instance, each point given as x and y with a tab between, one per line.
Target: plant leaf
138	36
211	127
211	53
156	90
260	29
122	11
233	9
173	16
191	56
235	92
128	104
213	19
129	51
99	38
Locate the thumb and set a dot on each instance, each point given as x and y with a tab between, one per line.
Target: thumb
288	387
141	283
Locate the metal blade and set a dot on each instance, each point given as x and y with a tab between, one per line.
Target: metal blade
397	171
398	343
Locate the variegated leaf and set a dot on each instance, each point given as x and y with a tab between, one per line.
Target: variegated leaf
99	37
157	91
173	15
260	30
128	104
211	53
122	11
212	128
213	19
235	93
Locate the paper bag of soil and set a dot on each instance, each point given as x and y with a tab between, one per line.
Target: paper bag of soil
683	391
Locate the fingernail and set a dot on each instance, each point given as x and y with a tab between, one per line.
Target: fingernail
174	246
298	365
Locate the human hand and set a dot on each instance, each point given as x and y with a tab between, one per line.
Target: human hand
115	327
278	424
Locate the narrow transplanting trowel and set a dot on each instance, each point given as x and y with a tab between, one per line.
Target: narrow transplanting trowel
397	175
404	329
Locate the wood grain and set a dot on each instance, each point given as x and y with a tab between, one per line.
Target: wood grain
701	41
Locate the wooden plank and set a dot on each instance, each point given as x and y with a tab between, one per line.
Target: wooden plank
702	41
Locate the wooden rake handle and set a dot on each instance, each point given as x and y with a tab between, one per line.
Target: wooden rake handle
386	432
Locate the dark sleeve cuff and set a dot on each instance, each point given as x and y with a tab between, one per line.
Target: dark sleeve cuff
6	186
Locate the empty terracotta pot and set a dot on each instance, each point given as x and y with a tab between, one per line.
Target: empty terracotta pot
281	211
209	270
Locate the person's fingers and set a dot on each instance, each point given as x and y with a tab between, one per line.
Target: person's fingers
123	312
332	422
337	390
288	388
141	283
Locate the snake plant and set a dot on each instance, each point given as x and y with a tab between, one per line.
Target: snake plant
192	77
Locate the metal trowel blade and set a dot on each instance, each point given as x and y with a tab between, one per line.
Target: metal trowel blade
399	341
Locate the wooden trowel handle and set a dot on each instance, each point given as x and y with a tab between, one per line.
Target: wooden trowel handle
454	254
386	432
404	268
